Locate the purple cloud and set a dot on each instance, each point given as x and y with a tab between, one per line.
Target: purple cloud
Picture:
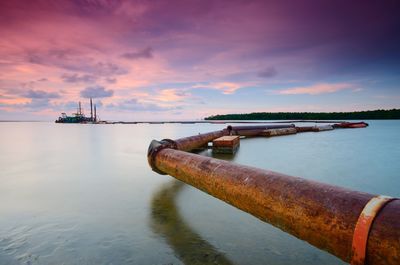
35	104
75	78
74	60
146	53
38	104
96	92
135	105
40	94
268	73
108	69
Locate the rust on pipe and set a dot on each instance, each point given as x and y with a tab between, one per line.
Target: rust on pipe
279	132
196	141
255	130
321	214
305	129
184	144
260	127
248	133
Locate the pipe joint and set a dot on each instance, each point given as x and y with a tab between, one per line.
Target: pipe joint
229	129
154	148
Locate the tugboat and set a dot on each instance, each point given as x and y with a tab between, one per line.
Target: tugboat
79	117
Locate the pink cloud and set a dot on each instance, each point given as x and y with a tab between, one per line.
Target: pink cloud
225	87
322	88
172	95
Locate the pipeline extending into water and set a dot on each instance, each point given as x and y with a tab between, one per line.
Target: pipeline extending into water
331	218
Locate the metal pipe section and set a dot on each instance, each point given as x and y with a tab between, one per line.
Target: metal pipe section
321	214
260	127
255	130
196	141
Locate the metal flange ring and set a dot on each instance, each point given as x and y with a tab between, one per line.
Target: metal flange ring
363	226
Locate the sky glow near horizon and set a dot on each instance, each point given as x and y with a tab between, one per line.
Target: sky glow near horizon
183	60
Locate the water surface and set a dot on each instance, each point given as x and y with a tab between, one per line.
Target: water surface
84	194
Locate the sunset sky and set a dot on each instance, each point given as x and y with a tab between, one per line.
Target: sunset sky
180	60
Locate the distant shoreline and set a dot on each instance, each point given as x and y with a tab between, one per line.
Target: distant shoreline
268	117
392	114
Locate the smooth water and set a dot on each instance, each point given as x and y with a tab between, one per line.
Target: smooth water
84	194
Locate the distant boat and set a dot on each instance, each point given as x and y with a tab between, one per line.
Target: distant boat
79	117
351	125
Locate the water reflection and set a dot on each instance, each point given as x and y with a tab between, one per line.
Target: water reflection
167	222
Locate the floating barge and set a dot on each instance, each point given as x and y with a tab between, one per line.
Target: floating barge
357	227
79	117
226	144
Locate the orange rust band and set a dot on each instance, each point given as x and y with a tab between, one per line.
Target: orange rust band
363	226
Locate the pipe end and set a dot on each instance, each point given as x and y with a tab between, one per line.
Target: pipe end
155	147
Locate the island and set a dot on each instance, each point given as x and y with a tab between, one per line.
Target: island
355	115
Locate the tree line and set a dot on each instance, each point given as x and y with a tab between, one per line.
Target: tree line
355	115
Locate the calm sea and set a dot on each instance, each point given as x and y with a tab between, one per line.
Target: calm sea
84	194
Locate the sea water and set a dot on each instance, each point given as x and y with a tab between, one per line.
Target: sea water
84	194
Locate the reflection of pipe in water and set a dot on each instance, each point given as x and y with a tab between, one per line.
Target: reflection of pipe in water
167	222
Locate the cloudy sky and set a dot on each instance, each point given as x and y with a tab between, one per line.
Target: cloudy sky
153	60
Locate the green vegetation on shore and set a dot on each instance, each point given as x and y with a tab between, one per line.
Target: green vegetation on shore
356	115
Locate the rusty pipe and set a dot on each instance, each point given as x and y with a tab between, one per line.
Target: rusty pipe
248	133
255	130
185	144
321	214
260	127
196	141
305	129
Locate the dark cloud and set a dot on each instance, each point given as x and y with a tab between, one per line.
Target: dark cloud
29	84
37	104
70	105
146	53
74	60
268	73
34	58
51	56
96	92
108	69
75	78
42	80
65	106
135	105
40	94
111	80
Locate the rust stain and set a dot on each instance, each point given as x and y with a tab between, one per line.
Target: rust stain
279	132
